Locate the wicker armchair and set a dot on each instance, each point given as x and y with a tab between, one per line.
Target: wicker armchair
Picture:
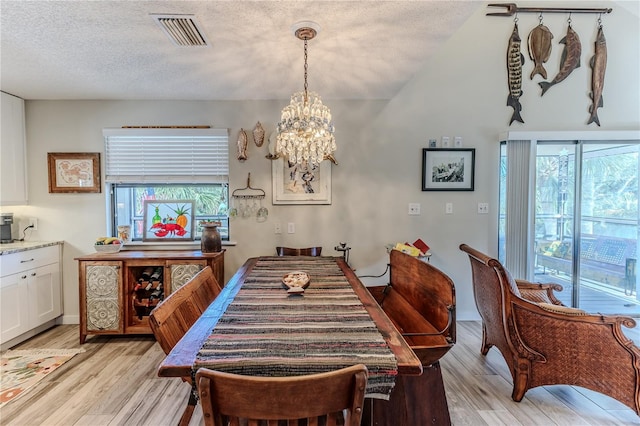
545	343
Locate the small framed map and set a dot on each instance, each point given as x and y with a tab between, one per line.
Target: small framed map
74	172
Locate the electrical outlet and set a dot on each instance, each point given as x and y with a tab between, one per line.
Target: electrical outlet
445	141
33	222
448	208
483	208
291	228
457	141
414	209
277	228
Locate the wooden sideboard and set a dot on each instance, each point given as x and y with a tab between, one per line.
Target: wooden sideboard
119	290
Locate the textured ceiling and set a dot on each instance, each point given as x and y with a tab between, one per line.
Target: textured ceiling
115	50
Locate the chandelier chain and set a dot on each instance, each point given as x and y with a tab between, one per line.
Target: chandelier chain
306	67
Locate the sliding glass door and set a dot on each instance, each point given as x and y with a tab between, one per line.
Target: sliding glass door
555	171
583	230
609	228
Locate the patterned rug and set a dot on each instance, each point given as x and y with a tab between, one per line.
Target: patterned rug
22	369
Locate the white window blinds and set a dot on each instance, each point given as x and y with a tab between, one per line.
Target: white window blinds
166	155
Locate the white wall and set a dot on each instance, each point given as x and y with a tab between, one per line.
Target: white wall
461	91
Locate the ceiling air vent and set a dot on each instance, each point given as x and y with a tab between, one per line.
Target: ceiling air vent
183	30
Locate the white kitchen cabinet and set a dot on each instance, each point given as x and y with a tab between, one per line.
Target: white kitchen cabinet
13	173
30	292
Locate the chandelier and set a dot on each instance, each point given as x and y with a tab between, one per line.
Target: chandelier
305	130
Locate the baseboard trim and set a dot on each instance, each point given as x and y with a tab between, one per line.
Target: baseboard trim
70	319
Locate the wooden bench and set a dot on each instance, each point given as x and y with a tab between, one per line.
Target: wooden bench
171	319
420	301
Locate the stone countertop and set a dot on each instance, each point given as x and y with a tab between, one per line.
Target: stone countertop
8	248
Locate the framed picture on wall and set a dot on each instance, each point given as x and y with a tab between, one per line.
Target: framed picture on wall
448	169
168	220
74	172
301	184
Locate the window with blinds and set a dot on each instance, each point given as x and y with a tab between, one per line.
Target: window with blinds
167	164
167	155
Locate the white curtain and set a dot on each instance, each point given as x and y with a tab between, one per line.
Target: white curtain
519	206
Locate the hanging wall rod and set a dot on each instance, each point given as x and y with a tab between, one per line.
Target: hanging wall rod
512	9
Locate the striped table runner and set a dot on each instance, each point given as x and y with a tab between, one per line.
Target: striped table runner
267	332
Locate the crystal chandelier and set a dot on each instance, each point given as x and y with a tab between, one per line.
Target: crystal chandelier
305	130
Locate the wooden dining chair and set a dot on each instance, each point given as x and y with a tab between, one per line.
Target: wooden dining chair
171	319
289	251
235	399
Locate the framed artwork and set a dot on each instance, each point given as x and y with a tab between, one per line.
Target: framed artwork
168	220
301	184
448	169
74	172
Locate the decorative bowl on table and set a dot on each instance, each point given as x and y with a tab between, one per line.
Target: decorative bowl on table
296	281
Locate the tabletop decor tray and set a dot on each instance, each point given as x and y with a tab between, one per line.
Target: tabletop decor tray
296	281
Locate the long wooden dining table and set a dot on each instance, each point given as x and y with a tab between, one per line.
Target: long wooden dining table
228	334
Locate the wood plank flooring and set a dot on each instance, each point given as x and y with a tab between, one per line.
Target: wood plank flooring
115	383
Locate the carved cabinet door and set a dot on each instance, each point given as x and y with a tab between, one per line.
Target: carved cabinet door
181	271
103	297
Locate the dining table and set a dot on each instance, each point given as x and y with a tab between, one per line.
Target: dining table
256	327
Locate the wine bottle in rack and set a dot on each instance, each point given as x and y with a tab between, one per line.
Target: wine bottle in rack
146	274
157	293
157	274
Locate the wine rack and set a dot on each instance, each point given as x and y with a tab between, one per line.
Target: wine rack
148	289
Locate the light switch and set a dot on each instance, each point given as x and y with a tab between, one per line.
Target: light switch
448	208
291	228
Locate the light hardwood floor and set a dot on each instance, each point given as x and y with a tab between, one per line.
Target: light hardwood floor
114	383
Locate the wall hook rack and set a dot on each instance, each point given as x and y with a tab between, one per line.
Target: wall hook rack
512	9
257	192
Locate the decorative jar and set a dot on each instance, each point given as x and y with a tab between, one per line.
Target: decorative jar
210	241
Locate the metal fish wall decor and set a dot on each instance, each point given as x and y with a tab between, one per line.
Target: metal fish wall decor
570	59
515	60
539	43
242	145
598	68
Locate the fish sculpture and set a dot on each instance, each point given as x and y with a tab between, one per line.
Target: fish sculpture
515	60
258	134
598	67
539	49
242	145
569	61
